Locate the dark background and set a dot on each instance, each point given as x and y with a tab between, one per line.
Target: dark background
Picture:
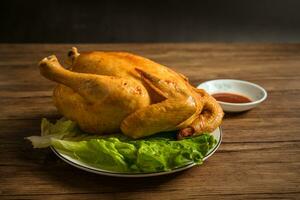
149	21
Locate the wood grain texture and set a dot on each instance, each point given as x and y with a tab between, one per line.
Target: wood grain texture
258	159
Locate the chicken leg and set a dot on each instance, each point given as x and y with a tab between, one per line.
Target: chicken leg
94	88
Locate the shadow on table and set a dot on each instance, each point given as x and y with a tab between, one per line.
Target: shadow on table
233	115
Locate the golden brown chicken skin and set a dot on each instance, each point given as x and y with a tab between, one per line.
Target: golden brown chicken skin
108	92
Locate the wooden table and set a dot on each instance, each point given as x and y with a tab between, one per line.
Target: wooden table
258	159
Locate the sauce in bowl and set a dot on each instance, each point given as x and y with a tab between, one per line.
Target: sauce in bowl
231	98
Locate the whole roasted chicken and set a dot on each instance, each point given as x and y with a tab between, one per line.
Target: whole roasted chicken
105	92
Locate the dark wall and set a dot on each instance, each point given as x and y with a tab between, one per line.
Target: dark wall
150	21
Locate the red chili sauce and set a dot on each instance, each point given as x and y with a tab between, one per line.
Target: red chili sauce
231	98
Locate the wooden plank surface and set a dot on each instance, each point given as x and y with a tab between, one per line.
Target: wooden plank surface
258	159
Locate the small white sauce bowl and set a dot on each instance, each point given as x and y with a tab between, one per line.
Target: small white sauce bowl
254	92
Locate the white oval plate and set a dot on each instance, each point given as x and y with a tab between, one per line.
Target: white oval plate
84	166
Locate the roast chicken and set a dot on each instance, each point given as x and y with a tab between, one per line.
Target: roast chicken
109	92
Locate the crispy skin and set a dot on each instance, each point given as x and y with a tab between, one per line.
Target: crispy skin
105	92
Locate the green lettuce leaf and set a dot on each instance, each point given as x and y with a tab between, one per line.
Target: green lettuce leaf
120	153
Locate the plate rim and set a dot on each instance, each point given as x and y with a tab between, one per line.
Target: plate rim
140	174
